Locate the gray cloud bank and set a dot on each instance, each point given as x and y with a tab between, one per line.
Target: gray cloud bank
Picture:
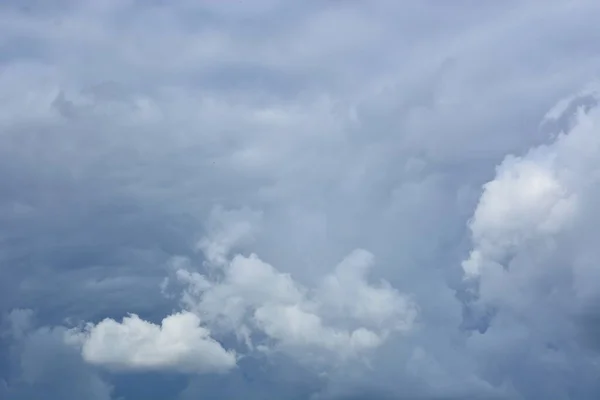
300	200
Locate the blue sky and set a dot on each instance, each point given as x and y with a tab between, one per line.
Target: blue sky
312	200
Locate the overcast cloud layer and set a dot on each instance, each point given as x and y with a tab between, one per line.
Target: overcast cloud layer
307	200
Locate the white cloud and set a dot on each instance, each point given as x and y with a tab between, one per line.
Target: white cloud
344	314
347	292
180	343
525	200
534	260
536	196
296	328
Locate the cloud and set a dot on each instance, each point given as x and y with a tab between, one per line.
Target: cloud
532	260
364	180
42	365
344	314
535	197
179	343
526	199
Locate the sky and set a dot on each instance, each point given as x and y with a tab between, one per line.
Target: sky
306	200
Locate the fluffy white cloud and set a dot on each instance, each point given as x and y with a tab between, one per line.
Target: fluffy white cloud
535	197
525	200
534	262
297	328
344	314
179	344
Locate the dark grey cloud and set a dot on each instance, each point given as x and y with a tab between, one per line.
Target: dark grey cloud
182	158
40	364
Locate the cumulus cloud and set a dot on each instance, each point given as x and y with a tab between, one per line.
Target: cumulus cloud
344	314
532	261
179	343
536	196
525	200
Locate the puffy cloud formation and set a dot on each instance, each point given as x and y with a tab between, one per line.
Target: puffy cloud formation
535	203
180	343
304	200
532	260
248	294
